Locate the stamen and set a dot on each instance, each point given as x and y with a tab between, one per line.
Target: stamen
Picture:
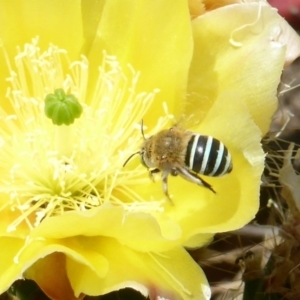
48	172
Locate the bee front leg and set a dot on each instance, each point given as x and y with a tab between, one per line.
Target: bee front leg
165	184
154	171
186	174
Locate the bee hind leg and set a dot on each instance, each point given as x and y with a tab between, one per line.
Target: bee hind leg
186	174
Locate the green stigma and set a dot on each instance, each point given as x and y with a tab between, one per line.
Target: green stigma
62	108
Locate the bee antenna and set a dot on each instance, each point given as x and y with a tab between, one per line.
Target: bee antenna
142	129
128	159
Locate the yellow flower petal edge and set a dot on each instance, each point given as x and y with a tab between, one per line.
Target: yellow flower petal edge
10	271
153	274
85	270
19	260
199	7
215	4
289	37
139	230
240	60
196	8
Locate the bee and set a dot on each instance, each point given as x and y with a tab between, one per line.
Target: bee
176	151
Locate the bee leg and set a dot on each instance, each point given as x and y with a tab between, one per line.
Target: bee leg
154	171
174	172
165	184
205	184
186	174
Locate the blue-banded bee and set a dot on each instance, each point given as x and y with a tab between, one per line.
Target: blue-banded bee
178	152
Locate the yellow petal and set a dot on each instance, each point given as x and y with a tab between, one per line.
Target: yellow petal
196	8
288	36
239	60
18	256
8	217
10	271
237	194
214	4
138	230
21	22
155	38
155	274
91	16
97	266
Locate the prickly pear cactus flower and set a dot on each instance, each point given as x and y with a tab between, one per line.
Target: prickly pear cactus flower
75	84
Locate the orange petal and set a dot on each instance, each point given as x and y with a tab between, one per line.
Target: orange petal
50	275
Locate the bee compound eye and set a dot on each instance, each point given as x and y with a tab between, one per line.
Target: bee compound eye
143	162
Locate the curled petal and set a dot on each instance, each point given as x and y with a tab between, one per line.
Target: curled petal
99	265
225	58
138	230
149	273
287	36
49	273
41	254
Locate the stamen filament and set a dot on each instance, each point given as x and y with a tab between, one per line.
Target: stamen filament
49	170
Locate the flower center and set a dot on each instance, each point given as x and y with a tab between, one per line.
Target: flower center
47	170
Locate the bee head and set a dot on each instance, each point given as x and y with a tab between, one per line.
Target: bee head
145	160
142	157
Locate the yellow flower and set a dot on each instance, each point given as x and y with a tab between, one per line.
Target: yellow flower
71	217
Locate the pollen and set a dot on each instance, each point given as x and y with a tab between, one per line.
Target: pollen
48	170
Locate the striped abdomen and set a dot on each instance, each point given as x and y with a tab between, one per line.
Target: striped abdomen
208	156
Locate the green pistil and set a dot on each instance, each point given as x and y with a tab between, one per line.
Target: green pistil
62	108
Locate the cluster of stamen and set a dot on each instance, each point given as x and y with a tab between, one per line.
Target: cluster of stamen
47	170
